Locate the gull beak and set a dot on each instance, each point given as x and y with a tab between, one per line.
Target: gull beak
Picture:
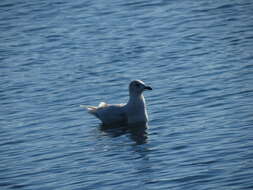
147	88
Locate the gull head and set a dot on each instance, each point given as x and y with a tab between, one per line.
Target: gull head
137	87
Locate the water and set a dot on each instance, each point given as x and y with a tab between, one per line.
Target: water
56	55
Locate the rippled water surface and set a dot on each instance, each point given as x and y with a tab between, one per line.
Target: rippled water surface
56	55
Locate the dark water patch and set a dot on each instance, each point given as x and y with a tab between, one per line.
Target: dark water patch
15	142
180	147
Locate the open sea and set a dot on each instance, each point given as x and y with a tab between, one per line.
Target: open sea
58	54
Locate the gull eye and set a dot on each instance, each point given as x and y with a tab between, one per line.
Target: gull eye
137	84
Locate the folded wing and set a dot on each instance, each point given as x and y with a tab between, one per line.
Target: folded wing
108	113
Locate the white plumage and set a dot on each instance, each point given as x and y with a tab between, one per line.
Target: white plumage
132	112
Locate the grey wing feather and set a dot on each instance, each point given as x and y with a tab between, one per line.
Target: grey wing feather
108	113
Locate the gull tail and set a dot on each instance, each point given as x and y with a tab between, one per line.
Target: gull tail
93	109
90	109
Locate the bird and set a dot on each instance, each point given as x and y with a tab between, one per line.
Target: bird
134	111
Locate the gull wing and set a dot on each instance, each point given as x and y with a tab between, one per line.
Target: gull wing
108	113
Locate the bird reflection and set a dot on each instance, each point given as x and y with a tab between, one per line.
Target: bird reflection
137	132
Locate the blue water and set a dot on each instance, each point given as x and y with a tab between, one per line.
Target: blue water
56	55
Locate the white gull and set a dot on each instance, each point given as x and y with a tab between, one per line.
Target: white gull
133	112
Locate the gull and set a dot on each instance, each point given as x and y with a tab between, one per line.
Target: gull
134	111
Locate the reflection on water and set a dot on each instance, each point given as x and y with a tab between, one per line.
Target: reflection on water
137	131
